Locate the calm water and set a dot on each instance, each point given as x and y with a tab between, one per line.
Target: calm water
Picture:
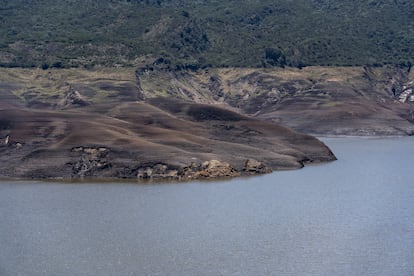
351	217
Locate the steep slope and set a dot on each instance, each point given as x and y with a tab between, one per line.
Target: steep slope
314	100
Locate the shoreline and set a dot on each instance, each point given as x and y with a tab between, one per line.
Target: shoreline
361	136
161	181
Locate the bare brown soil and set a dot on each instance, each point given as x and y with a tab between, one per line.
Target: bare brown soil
359	101
160	138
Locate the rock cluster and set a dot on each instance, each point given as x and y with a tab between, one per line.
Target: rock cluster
407	95
210	169
73	98
90	161
93	161
158	171
207	169
7	142
253	166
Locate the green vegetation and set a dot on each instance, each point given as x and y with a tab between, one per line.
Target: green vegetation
205	33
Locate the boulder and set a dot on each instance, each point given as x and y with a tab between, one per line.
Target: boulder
252	166
214	169
73	98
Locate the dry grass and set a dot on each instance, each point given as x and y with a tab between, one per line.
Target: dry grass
48	85
275	93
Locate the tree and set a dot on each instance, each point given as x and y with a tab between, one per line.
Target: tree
275	57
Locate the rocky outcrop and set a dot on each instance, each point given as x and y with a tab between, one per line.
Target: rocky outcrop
253	166
4	141
157	171
95	164
216	87
91	161
73	98
407	93
9	143
210	169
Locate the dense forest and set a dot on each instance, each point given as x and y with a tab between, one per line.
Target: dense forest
205	33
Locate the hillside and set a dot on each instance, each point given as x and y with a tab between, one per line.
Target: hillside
153	123
314	100
205	33
362	101
81	124
179	89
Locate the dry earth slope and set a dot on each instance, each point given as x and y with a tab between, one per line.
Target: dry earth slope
76	124
363	101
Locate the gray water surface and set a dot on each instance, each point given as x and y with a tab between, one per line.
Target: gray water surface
354	216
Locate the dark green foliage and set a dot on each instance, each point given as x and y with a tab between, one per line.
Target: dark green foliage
57	64
275	57
45	66
200	33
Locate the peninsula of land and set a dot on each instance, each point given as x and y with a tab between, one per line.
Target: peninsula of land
104	127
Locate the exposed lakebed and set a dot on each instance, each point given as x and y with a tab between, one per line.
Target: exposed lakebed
353	216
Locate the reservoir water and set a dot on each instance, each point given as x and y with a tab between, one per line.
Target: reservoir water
354	216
